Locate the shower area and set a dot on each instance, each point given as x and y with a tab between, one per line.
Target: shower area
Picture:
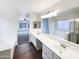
23	30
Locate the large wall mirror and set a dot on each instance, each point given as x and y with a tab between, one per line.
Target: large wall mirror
66	25
70	29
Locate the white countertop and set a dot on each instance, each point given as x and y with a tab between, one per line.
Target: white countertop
54	45
7	42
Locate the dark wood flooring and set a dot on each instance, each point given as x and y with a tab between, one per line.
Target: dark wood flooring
27	51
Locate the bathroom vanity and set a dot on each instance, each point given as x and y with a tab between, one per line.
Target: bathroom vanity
52	49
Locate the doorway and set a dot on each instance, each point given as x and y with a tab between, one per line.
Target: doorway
23	31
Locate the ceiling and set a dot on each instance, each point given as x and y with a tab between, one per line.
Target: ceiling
25	6
36	5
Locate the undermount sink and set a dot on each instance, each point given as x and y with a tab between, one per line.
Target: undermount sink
59	49
38	33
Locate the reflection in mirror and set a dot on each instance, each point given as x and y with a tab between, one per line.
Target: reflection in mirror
69	29
36	24
73	35
66	25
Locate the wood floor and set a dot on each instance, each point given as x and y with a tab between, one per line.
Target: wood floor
23	37
27	51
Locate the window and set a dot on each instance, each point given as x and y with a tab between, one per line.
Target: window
45	26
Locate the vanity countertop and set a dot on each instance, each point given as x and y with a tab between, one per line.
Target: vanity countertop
54	45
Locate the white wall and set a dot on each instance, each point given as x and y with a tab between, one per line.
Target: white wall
8	26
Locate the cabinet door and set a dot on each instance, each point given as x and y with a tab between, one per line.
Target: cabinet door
39	44
44	55
49	54
36	42
56	57
33	40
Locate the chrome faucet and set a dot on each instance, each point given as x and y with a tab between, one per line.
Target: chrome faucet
63	45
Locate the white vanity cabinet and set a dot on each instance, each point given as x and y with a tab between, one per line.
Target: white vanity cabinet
48	54
56	56
35	42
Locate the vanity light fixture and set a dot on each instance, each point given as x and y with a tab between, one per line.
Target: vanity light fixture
74	19
50	14
77	19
